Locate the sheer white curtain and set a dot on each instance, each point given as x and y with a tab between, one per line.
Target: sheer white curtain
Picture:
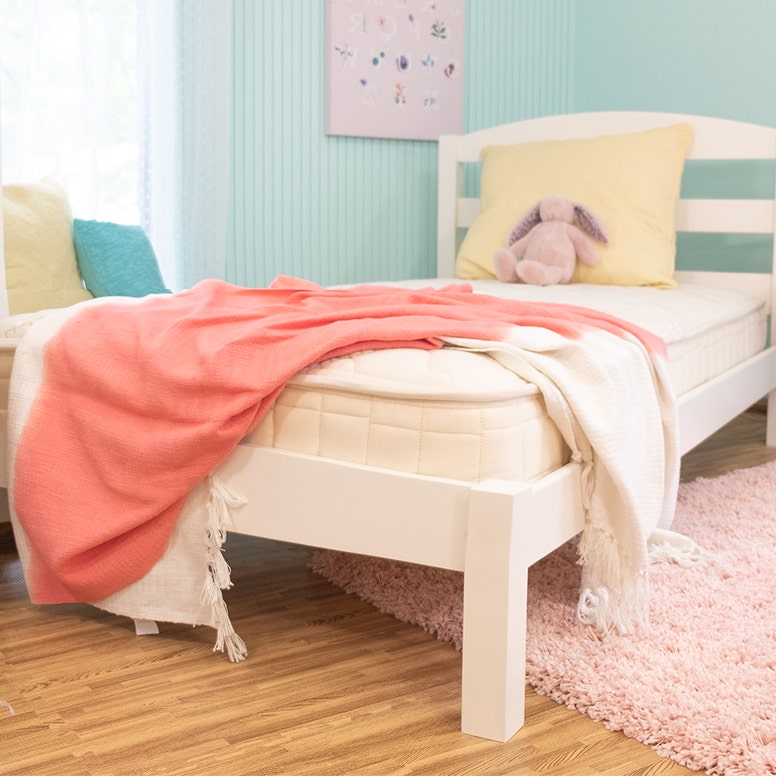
3	296
128	104
69	100
186	56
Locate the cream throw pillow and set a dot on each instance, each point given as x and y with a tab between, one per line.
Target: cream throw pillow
40	264
630	181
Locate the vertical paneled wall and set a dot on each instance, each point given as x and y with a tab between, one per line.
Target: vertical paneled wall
343	209
519	60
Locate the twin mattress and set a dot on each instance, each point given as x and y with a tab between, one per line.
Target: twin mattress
459	414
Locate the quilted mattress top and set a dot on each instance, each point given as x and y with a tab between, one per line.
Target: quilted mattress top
697	323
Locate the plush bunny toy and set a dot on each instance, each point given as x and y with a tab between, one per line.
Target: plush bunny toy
545	244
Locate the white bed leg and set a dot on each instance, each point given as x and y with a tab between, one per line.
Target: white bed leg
770	425
494	618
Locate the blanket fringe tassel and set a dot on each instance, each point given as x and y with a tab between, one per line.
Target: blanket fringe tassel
220	501
668	546
612	596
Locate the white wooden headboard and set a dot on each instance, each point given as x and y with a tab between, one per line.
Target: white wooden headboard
714	139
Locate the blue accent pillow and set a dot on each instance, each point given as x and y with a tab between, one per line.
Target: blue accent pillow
116	259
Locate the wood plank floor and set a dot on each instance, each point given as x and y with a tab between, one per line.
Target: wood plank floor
331	687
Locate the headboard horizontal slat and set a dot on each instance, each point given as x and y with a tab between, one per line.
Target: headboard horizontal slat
736	216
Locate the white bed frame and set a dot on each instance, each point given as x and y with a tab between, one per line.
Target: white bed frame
495	530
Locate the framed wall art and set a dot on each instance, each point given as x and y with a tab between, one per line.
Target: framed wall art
394	68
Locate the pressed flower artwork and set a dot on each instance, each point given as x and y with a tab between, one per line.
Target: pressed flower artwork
394	69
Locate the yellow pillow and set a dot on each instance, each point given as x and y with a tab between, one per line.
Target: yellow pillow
40	265
630	181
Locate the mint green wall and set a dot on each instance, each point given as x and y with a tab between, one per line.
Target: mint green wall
709	57
342	209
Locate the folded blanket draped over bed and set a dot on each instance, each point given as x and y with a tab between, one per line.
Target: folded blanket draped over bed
121	409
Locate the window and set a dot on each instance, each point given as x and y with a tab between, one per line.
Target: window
70	101
127	103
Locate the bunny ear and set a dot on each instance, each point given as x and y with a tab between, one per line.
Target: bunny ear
591	223
525	224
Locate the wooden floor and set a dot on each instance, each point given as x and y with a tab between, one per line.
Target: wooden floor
331	687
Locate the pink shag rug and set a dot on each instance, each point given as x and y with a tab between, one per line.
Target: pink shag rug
699	686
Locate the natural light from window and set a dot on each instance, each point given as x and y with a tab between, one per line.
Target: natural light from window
69	101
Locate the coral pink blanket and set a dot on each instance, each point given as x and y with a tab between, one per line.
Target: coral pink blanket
120	409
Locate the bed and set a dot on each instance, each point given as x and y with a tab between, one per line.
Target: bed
364	432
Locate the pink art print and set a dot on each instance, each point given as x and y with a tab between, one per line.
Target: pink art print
394	68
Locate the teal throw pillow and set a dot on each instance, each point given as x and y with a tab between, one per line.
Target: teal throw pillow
116	259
